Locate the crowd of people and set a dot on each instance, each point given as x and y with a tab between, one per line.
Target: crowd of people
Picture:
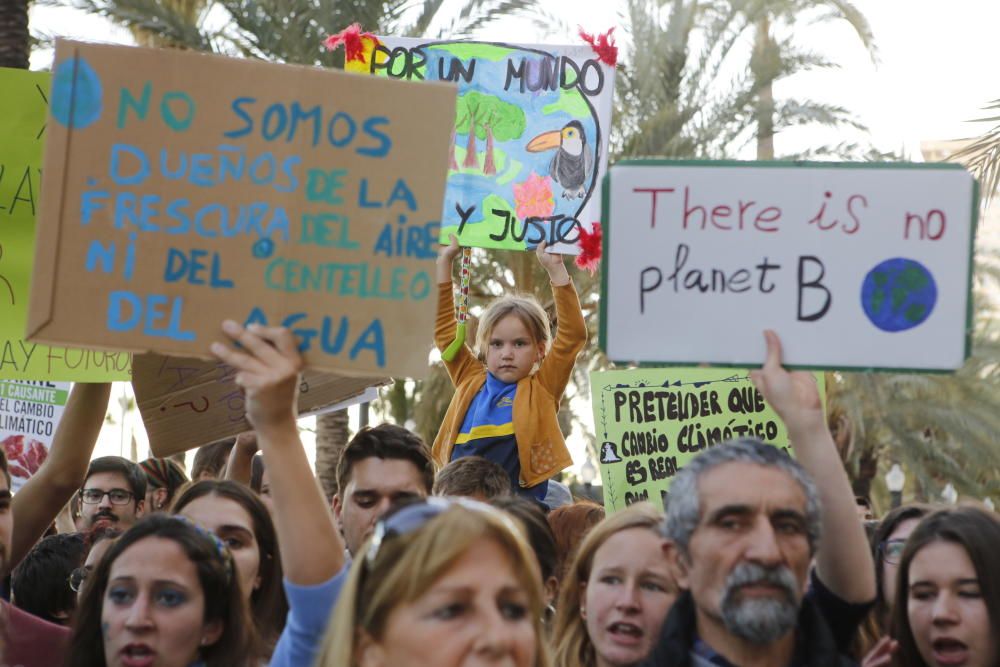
467	551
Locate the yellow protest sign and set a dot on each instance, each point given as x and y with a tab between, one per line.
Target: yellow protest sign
651	421
22	135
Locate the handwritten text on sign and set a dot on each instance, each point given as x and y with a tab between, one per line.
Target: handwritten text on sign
264	193
853	265
22	136
530	139
651	422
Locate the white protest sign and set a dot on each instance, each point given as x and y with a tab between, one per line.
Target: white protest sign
29	414
855	266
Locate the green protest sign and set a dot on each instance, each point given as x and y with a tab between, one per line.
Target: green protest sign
651	421
22	137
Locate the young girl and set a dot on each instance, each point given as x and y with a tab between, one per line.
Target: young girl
506	398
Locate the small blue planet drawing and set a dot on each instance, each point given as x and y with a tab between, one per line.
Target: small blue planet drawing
76	94
898	294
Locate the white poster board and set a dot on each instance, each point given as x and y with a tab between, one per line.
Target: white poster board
855	266
29	415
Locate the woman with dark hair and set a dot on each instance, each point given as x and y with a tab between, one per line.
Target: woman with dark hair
163	479
947	605
873	641
166	594
240	519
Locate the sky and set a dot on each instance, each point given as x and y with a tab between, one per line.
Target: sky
933	75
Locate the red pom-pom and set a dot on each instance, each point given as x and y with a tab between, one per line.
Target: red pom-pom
590	248
351	37
603	45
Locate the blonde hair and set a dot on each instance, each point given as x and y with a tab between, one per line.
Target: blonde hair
573	645
526	308
407	565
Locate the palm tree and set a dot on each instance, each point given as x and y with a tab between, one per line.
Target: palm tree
15	40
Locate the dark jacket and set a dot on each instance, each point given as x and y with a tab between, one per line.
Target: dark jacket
815	644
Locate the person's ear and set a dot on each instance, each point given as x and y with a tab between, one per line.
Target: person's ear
140	507
583	598
159	499
367	651
338	510
677	562
551	590
211	633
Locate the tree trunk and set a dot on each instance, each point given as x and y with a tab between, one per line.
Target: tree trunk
471	159
332	434
763	64
14	37
867	469
454	162
489	166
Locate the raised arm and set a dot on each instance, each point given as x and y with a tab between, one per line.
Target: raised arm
844	561
240	465
571	329
43	496
444	325
268	366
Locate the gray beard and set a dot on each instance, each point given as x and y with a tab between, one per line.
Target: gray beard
760	620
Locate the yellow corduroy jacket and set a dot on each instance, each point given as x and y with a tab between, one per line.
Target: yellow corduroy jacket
540	444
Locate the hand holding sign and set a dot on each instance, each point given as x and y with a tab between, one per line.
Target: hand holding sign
268	372
793	395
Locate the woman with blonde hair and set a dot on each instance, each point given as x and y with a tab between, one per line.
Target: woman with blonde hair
440	582
616	593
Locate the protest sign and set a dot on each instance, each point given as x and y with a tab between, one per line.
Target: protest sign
29	414
542	114
650	422
186	403
22	135
855	266
185	188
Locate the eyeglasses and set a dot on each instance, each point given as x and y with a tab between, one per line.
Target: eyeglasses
412	516
117	496
892	550
77	577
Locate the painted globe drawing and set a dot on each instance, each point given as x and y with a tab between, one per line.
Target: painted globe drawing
76	94
898	294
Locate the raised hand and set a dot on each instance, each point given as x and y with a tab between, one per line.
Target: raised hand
447	255
552	263
267	365
793	395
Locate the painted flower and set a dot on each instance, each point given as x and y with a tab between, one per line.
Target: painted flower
534	197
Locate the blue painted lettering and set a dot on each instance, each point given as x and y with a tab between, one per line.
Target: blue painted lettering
141	170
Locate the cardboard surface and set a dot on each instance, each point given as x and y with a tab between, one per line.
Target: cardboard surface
29	415
23	115
530	145
183	188
186	403
650	422
854	265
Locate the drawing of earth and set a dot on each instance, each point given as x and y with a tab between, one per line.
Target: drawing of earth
898	294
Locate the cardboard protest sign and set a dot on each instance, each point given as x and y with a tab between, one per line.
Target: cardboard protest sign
855	266
184	188
186	403
29	415
650	422
22	136
530	140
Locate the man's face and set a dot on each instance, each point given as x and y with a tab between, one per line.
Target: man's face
749	556
6	523
105	513
374	485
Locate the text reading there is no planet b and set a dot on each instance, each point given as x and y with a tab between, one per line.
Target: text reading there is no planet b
182	189
854	265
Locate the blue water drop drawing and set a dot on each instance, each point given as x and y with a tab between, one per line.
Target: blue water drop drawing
77	96
263	248
898	294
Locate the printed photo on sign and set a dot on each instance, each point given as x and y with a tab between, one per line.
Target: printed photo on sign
651	422
29	415
530	140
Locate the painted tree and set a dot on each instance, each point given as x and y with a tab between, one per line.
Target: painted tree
487	117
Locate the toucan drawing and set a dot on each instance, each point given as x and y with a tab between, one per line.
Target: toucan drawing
573	160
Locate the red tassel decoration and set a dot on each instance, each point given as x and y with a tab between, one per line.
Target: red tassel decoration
351	37
590	248
603	45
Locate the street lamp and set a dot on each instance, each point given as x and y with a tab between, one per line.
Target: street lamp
894	480
588	473
949	495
